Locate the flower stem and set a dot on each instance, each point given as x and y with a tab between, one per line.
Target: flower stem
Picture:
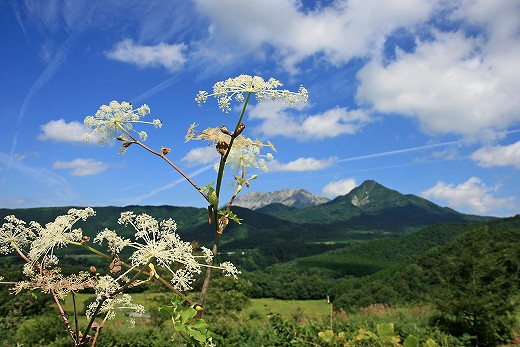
163	156
218	233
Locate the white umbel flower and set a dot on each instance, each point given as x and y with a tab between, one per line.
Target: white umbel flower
225	91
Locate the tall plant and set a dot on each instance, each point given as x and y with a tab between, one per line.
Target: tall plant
156	244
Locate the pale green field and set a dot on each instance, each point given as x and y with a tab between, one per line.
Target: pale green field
259	308
289	308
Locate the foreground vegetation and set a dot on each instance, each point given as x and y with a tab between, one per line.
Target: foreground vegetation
456	284
264	322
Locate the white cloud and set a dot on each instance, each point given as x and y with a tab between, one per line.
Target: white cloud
454	82
339	32
201	155
498	156
472	194
341	187
59	130
81	167
276	119
171	57
302	164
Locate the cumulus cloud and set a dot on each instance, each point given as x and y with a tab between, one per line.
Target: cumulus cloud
59	130
498	156
339	32
277	119
171	57
201	155
472	194
81	167
341	187
302	164
453	82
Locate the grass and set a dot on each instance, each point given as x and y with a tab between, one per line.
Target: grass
259	308
288	308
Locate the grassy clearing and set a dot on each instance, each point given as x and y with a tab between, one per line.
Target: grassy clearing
260	308
313	309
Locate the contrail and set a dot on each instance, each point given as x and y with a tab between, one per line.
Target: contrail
398	151
157	190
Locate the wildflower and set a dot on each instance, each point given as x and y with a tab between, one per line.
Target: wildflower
105	286
225	91
15	234
111	305
159	242
54	281
115	243
245	152
230	269
58	234
117	117
207	254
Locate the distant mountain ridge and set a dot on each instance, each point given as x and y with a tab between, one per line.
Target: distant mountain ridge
296	198
373	206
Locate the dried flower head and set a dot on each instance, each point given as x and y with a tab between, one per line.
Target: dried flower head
245	152
225	91
54	281
112	119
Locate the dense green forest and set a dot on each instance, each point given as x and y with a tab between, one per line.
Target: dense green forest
461	273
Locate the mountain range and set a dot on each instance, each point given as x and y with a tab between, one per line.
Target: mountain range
297	198
278	232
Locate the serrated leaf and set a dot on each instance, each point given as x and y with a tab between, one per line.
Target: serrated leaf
231	216
206	187
187	314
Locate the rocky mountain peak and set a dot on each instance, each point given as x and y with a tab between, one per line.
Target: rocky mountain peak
297	198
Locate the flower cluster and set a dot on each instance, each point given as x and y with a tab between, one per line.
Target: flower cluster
58	233
112	119
245	152
14	234
110	306
225	91
158	242
110	303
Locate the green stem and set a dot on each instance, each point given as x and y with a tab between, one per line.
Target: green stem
222	164
163	156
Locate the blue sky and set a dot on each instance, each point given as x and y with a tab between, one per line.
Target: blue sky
419	95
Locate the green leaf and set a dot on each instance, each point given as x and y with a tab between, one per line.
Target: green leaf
206	187
411	341
385	329
430	343
213	197
187	314
327	335
231	216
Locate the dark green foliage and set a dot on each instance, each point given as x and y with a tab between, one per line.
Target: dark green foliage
473	280
139	336
44	330
478	280
227	296
288	285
